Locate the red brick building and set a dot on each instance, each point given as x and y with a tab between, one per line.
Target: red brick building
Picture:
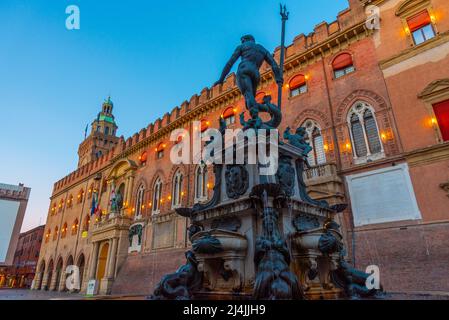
374	103
21	273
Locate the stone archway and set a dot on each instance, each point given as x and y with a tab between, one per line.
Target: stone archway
40	276
47	280
57	275
69	262
81	263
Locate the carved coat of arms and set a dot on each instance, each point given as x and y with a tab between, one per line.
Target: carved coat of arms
237	181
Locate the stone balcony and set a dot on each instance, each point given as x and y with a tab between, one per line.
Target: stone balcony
323	183
110	226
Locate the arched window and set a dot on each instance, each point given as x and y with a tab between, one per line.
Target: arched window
177	189
297	85
157	196
342	65
201	183
75	226
160	150
90	191
143	158
318	155
53	209
229	115
47	236
81	196
86	223
64	230
205	124
61	205
70	201
55	235
140	204
364	132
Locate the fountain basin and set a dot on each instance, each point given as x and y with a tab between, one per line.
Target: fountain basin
230	241
309	240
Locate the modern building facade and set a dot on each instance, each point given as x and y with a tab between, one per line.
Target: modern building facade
13	203
23	269
374	103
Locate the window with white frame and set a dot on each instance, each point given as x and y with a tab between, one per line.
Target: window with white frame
317	156
366	143
177	189
201	183
421	27
140	204
157	195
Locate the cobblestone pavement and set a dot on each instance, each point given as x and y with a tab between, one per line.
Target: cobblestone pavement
25	294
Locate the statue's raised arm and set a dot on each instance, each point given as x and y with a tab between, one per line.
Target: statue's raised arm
235	56
248	77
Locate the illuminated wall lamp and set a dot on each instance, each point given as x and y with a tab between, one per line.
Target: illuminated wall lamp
407	30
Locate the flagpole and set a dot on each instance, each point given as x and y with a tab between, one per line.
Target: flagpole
284	15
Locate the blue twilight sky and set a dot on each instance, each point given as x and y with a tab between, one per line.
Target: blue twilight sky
149	55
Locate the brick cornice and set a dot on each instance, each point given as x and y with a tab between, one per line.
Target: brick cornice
414	51
428	155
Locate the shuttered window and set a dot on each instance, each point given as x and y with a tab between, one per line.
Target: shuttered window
298	85
371	132
441	111
364	132
420	26
342	65
317	156
357	136
157	195
318	147
418	21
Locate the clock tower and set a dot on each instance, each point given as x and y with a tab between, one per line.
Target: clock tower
102	137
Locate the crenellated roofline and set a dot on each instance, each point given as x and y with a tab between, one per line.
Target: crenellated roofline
327	39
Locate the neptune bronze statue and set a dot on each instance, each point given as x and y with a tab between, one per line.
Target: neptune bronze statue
248	77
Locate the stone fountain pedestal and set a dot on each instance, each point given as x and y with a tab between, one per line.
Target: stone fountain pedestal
226	243
263	237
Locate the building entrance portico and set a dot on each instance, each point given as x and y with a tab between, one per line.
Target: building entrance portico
102	260
109	250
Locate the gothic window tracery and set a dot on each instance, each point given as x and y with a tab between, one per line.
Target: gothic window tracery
366	142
